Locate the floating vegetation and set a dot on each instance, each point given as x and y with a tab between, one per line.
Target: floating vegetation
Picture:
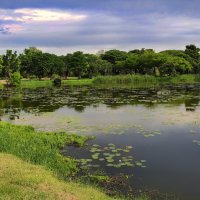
146	133
111	156
197	142
193	131
168	123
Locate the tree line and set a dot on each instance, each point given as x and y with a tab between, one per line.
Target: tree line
35	63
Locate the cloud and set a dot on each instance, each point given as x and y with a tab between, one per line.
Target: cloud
28	15
112	6
4	30
59	30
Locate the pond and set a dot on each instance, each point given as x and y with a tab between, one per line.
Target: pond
150	134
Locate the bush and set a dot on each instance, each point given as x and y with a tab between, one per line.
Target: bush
56	80
15	79
55	76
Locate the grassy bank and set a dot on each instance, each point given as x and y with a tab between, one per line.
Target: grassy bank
39	148
145	79
49	83
36	83
25	83
118	80
21	180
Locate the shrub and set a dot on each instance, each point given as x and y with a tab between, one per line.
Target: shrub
54	76
56	80
15	79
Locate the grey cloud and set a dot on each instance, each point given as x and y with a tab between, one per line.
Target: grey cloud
108	31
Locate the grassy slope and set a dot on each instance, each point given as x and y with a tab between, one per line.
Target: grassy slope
38	147
21	180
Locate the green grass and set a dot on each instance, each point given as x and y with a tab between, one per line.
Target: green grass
21	180
77	82
36	83
118	80
48	83
124	79
1	86
39	148
185	78
145	79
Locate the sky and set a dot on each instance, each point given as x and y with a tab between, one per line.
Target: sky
64	26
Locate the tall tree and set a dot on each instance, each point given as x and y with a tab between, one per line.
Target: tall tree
1	66
78	64
192	51
114	55
11	63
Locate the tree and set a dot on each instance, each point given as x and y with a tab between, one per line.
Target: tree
129	66
114	55
97	66
143	50
27	65
15	79
77	64
35	62
147	62
175	65
192	51
11	63
1	66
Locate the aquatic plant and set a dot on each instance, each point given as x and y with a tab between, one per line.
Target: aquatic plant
197	142
110	156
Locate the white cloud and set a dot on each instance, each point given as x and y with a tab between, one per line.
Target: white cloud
39	15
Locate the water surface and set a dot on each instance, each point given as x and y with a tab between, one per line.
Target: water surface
162	125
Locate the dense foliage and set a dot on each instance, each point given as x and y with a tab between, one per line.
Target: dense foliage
35	63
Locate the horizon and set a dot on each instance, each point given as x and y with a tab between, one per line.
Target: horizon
62	27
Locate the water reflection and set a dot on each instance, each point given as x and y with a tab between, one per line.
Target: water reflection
79	98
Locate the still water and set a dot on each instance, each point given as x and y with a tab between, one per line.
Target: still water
155	130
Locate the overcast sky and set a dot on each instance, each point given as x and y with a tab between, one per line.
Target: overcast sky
62	26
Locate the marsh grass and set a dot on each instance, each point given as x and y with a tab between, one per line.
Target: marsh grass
145	79
40	148
124	79
77	82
